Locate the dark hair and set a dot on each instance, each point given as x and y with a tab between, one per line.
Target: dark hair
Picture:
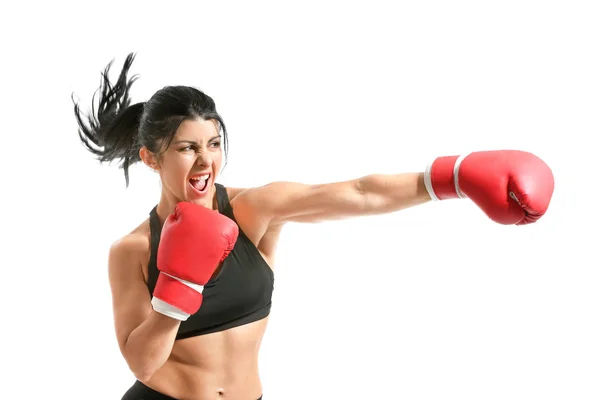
118	130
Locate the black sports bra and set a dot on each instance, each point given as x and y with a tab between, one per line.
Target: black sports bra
239	294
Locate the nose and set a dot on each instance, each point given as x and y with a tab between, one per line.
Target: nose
204	159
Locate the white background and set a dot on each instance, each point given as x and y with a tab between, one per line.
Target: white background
436	302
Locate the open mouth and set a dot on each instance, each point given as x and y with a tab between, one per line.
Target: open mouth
200	182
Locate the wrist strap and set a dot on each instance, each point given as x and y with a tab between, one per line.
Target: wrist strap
444	179
198	288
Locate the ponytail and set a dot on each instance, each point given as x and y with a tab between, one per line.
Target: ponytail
111	133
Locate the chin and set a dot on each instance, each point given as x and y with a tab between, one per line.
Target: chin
200	188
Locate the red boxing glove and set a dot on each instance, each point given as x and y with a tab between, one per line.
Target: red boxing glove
510	186
193	242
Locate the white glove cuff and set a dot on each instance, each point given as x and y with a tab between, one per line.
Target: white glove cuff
165	308
428	184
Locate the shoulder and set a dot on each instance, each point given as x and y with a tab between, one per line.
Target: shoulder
246	204
132	244
274	202
245	200
247	210
269	190
264	203
233	192
129	251
261	196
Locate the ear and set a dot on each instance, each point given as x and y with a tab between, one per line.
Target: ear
149	159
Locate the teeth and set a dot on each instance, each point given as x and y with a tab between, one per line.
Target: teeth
200	178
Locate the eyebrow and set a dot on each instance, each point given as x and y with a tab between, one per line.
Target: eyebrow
194	142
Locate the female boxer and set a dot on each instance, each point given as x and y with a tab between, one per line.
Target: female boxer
191	285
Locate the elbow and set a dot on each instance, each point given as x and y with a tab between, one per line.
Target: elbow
363	201
360	186
143	375
143	372
142	367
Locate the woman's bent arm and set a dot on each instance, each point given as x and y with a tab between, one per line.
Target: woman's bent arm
145	337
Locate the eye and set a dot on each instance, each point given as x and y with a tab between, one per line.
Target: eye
216	144
186	149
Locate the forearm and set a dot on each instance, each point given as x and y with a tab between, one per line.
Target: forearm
385	193
149	345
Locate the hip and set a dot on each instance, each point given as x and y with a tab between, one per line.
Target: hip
139	391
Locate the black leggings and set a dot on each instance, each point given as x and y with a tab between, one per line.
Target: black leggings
139	391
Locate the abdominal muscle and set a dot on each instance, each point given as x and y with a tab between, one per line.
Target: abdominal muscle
221	365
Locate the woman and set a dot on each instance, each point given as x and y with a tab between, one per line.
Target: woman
192	284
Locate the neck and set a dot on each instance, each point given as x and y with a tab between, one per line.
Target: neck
168	201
